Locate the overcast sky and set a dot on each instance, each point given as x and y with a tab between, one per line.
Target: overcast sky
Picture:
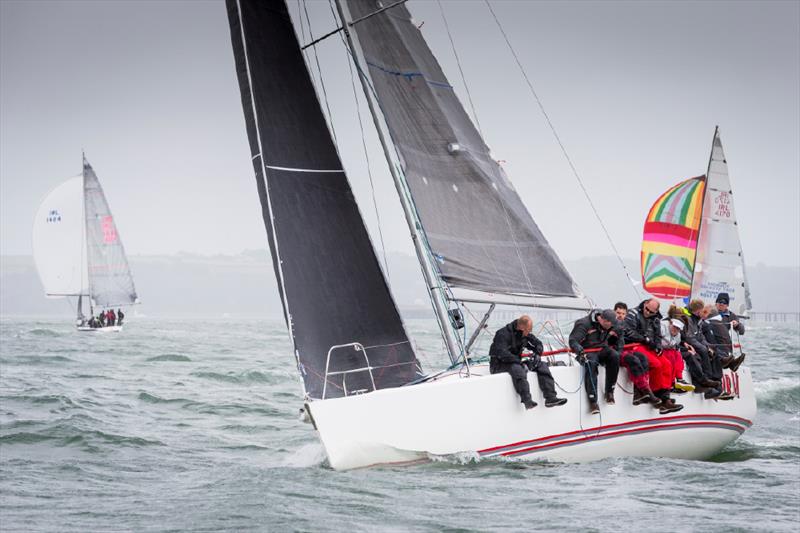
634	89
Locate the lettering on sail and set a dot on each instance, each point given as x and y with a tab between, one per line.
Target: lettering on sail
109	231
722	205
710	289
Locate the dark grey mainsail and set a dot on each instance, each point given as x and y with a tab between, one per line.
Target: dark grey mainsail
480	233
330	282
109	275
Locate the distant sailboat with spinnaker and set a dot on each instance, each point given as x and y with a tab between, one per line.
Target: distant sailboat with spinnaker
78	251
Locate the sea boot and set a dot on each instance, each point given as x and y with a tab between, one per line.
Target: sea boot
554	402
654	400
610	398
681	385
529	404
734	366
669	406
726	361
645	396
638	396
711	394
594	408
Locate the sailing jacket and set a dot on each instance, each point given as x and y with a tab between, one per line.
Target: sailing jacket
588	333
698	333
508	344
720	325
641	329
669	341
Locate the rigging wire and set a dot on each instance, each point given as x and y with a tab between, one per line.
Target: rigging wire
363	143
460	69
563	149
321	79
442	287
494	166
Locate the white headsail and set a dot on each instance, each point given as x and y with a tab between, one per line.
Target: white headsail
58	241
720	263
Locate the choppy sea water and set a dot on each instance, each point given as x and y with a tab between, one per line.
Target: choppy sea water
193	425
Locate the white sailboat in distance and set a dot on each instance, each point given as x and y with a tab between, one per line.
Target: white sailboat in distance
78	251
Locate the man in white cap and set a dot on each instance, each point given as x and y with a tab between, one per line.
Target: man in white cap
671	329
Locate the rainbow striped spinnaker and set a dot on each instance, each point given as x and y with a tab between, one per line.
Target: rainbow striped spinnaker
669	243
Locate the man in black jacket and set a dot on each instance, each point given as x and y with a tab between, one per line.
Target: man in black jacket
506	356
697	335
598	330
643	326
722	323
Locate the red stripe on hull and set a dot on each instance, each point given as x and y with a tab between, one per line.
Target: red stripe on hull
645	429
738	419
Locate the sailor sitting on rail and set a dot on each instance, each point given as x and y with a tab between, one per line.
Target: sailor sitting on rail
671	328
597	333
643	327
722	321
506	356
698	353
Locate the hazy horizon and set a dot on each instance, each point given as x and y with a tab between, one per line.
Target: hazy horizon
634	90
244	285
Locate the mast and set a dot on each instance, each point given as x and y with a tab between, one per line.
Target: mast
433	282
702	209
84	250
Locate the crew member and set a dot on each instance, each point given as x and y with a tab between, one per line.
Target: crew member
506	356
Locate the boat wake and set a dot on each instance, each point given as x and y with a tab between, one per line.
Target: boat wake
779	394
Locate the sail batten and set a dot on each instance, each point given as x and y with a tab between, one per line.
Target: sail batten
479	232
330	281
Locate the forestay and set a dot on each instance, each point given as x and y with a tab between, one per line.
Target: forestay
330	282
480	233
110	280
58	237
720	262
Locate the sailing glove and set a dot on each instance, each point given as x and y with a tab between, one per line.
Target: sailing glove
532	363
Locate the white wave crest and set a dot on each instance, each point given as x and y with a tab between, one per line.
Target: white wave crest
307	455
460	458
769	387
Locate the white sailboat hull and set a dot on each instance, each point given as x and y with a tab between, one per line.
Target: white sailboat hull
483	417
105	329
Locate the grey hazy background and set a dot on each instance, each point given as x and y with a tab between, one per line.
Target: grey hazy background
635	89
241	285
